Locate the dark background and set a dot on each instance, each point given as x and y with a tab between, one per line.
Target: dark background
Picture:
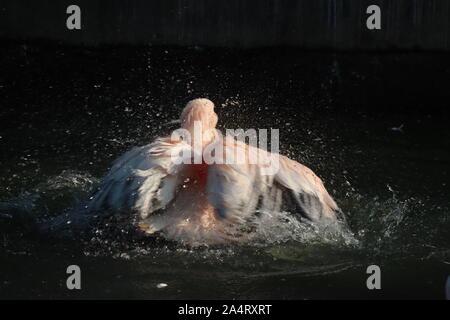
244	35
332	24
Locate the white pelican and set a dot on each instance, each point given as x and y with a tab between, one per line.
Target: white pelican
207	202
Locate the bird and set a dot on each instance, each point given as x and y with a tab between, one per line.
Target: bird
201	201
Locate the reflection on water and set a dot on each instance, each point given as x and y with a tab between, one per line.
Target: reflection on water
62	130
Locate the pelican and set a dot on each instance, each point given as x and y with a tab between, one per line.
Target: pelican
207	202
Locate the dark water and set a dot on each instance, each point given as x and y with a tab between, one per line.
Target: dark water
67	113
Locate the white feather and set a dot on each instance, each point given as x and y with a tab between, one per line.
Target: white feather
143	179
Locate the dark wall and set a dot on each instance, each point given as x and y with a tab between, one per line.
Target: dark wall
340	24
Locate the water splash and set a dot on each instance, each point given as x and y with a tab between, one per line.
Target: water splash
377	227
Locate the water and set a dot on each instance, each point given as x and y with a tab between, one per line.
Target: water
373	126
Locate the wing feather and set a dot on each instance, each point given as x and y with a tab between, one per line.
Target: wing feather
306	189
238	190
143	179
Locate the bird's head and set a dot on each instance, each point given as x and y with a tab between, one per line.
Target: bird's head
201	110
199	118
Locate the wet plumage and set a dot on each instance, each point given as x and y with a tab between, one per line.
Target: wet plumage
201	202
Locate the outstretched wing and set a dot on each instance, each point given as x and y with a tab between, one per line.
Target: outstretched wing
143	179
304	189
237	187
237	190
